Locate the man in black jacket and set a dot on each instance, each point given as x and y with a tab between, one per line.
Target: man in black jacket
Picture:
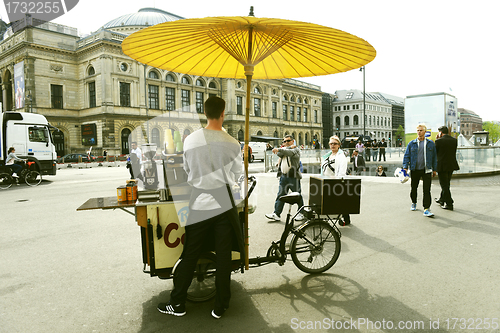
358	162
446	148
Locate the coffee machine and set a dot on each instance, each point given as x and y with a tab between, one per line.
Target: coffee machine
150	173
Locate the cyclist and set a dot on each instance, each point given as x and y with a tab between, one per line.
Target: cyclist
10	162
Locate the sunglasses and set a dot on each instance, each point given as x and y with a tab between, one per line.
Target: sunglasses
334	143
287	140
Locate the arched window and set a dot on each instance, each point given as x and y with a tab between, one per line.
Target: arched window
346	120
355	120
185	80
170	78
125	135
275	134
212	85
337	121
185	134
91	70
241	135
155	137
153	75
259	132
300	139
256	90
292	99
285	98
200	83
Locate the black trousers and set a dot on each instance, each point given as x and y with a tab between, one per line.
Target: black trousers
444	181
195	243
416	175
382	152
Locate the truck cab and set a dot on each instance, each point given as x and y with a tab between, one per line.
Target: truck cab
29	134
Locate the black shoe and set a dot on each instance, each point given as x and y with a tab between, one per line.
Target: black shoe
439	202
175	310
446	206
217	314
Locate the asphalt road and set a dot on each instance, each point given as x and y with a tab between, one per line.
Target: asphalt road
69	271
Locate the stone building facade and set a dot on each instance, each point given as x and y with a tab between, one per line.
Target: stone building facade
88	84
347	109
470	122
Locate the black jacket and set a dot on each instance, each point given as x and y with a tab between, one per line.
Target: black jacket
446	148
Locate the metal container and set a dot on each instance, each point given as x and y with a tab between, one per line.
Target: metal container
121	193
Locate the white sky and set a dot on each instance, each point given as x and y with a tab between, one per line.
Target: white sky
424	46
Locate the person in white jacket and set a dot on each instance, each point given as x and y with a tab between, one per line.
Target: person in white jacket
334	162
335	165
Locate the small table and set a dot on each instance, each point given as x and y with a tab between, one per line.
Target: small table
107	203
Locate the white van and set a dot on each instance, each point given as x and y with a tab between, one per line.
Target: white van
258	150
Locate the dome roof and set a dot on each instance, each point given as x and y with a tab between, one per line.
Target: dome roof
144	17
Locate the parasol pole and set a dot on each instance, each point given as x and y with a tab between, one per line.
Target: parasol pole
248	73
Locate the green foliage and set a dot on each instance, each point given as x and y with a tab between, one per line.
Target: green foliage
493	128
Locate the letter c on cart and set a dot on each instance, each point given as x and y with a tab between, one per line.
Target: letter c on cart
171	227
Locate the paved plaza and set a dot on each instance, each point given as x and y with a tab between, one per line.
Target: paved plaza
69	271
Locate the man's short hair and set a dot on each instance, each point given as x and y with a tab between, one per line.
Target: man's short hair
288	136
443	129
422	125
214	106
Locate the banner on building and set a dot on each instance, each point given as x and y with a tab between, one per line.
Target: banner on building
19	84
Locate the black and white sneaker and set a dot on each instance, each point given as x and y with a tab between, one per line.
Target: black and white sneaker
175	310
217	314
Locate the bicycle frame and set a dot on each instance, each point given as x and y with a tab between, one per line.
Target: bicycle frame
279	248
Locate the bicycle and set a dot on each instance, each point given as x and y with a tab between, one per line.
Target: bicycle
28	173
314	248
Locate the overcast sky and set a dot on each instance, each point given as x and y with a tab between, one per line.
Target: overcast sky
422	46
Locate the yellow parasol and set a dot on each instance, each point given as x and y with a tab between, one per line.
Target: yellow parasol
248	47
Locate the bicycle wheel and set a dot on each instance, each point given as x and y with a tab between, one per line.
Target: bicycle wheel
6	180
33	178
203	285
315	247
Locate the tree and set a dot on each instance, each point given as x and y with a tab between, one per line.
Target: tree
493	128
400	134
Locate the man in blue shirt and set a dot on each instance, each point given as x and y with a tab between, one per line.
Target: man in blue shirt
420	157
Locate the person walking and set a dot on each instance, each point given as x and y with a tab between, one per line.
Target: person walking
382	145
358	163
420	157
335	165
212	161
289	176
446	148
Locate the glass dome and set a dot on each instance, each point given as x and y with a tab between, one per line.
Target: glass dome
144	17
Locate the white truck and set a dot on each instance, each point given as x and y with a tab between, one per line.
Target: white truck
29	134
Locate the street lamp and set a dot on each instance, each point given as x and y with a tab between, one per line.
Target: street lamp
362	69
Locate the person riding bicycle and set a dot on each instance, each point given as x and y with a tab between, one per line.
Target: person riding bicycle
10	162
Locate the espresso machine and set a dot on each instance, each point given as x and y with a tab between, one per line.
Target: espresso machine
150	173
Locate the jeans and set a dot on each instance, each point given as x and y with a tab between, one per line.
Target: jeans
444	182
287	183
196	235
415	179
15	168
374	154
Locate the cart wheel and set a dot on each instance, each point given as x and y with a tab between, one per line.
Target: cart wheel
203	285
315	247
33	178
6	180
